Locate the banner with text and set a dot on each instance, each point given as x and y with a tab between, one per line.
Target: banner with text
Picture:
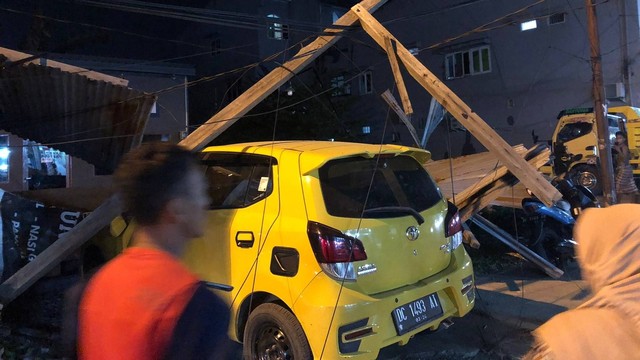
28	227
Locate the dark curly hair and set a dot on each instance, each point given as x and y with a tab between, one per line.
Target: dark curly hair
150	176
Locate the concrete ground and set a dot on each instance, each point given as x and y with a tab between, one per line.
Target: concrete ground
509	305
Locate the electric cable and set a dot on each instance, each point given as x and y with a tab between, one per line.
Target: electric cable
262	241
104	28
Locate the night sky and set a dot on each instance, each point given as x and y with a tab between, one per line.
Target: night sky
72	27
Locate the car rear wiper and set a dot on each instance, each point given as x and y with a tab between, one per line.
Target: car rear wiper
397	209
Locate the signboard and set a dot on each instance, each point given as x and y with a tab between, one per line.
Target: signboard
27	228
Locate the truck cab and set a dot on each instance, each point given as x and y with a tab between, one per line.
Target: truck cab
575	145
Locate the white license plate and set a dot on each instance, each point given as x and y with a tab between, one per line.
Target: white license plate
411	315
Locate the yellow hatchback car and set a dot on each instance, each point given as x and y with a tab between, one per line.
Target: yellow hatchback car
329	250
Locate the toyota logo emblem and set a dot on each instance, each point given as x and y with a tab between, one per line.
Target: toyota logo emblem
412	233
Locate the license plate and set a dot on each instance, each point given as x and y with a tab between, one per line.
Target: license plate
411	315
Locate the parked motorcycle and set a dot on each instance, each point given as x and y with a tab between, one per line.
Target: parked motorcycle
548	230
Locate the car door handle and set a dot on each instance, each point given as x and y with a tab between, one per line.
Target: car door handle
244	239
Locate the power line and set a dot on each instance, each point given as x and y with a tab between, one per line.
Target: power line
486	26
104	28
203	15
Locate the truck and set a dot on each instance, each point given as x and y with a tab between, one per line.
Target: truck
574	143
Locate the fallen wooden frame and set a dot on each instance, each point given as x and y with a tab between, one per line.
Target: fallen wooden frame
463	113
103	215
482	178
495	182
455	175
472	200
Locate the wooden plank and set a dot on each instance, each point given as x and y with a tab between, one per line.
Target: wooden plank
63	247
467	162
470	120
492	176
393	104
470	165
495	190
15	56
466	170
265	86
512	197
102	216
397	75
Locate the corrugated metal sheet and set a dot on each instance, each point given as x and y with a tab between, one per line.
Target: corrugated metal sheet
94	120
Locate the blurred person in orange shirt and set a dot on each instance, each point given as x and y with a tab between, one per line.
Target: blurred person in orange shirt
145	304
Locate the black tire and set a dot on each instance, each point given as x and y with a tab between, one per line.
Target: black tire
537	244
547	248
587	176
272	332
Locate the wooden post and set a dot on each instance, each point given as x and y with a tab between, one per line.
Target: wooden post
260	90
397	75
602	124
388	97
474	123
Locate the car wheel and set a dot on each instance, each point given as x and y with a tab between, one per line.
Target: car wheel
587	176
272	332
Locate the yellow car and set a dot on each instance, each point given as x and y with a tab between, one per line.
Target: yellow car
329	250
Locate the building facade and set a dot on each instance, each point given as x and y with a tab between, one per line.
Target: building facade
516	64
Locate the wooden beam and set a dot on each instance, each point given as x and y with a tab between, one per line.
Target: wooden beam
496	189
513	197
397	75
474	123
499	172
265	86
393	104
474	165
63	247
15	56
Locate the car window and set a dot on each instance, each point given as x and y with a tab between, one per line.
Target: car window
348	184
613	121
237	180
574	130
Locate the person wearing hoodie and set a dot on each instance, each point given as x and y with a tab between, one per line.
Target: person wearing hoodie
607	326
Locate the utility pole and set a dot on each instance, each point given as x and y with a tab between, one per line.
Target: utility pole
604	145
626	69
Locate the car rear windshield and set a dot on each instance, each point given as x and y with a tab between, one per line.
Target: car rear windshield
352	185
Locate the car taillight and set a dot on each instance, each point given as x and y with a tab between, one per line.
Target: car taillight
453	226
335	251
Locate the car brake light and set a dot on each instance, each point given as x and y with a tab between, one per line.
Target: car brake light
332	246
453	226
335	251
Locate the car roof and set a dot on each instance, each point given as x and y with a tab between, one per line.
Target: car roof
315	153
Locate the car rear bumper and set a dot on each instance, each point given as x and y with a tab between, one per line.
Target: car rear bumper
363	324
